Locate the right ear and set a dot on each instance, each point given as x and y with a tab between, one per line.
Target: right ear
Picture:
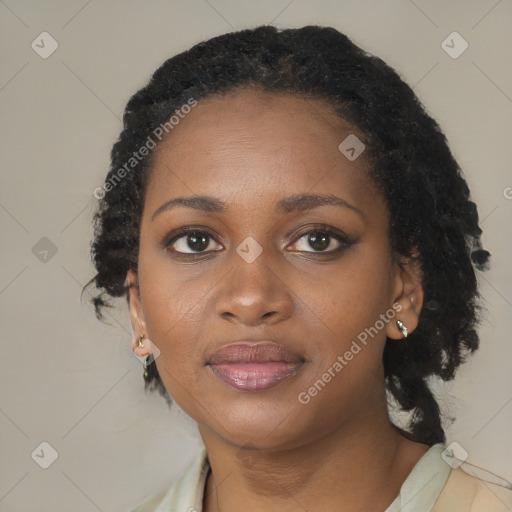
136	313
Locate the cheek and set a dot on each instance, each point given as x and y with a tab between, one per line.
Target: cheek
173	311
176	305
351	297
347	306
173	323
347	345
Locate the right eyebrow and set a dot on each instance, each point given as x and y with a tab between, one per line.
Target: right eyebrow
204	203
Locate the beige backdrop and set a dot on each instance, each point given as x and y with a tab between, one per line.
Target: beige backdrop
71	382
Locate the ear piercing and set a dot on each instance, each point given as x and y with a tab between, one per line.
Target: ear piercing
141	344
402	328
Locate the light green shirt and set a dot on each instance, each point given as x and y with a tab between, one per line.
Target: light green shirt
433	485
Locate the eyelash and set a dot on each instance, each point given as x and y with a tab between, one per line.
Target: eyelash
344	240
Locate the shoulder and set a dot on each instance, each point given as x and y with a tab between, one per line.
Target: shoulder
440	482
185	493
464	492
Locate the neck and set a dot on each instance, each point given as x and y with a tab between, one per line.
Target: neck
362	468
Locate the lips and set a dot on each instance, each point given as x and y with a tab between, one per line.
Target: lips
254	366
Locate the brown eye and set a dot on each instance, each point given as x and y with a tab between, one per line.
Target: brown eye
322	240
319	241
192	242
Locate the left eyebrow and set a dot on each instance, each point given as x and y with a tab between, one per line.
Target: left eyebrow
294	203
303	202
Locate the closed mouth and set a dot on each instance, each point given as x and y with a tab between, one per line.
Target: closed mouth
254	366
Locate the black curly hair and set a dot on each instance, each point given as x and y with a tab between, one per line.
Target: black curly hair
432	219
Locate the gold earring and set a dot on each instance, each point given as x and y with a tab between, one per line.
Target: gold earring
145	375
142	344
402	328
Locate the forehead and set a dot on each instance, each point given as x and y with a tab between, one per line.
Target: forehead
252	147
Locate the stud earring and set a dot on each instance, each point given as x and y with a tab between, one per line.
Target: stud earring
141	343
402	328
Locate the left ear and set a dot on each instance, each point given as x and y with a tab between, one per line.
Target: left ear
136	315
408	297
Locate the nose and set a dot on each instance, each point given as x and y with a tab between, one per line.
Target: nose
254	293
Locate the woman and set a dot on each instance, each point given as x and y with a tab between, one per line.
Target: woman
296	244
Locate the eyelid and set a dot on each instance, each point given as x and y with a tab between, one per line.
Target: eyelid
179	233
344	239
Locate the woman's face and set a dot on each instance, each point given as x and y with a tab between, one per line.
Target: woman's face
262	269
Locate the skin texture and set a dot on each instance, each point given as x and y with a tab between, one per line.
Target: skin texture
268	451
